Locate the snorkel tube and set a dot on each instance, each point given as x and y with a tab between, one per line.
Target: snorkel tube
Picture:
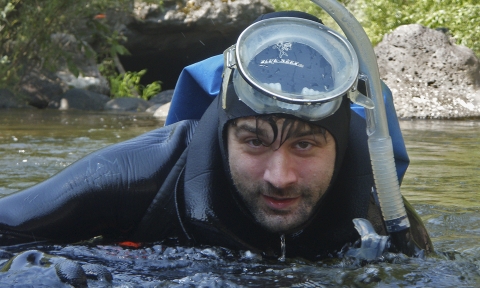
379	141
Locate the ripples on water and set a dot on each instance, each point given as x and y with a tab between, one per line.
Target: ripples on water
37	144
442	183
443	180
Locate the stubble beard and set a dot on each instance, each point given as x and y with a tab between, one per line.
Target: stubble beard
277	221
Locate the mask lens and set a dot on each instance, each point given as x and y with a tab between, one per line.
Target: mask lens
291	68
293	65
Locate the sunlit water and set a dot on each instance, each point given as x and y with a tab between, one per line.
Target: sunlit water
442	183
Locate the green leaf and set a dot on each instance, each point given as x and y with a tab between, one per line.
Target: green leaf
72	67
121	50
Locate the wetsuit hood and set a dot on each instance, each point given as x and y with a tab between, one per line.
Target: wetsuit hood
213	204
233	108
213	213
337	123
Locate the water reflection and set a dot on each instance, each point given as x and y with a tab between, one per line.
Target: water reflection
445	162
443	180
442	183
35	144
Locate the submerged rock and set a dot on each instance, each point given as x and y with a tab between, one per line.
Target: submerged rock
97	272
158	265
71	273
39	269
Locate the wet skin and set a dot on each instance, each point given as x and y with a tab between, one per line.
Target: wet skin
280	184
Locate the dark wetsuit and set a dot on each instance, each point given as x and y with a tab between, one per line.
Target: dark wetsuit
171	183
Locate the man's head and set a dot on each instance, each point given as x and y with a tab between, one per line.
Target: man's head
284	117
281	168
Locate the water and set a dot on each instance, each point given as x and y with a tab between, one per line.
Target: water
35	144
443	180
442	183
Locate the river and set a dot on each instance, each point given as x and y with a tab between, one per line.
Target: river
442	183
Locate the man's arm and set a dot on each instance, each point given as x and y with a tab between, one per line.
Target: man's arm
104	193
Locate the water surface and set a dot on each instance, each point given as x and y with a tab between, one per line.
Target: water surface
443	180
442	183
35	144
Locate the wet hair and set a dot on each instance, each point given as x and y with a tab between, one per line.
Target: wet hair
291	126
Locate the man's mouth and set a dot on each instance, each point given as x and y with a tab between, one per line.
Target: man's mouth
280	203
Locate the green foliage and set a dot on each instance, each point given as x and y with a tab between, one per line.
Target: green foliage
459	16
128	85
309	7
379	17
29	30
462	20
151	89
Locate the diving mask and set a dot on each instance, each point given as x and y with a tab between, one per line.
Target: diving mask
291	65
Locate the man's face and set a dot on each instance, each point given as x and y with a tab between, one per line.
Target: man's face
280	184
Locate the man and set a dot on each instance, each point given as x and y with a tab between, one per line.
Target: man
281	164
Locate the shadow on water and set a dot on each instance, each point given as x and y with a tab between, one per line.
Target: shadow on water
442	183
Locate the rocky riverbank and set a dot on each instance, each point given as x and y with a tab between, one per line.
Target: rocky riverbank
430	76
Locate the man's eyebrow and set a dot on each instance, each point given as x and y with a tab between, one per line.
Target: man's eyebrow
309	132
251	129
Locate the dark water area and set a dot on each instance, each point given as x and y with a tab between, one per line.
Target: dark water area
442	183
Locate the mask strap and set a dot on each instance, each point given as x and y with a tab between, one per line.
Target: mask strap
229	64
357	97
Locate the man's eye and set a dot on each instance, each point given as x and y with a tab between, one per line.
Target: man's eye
303	145
255	142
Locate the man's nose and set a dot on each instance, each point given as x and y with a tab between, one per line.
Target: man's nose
280	169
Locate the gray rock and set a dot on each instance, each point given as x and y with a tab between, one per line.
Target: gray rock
162	40
89	77
153	108
46	270
97	272
39	87
429	75
162	111
8	100
71	272
127	104
80	99
166	39
162	97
